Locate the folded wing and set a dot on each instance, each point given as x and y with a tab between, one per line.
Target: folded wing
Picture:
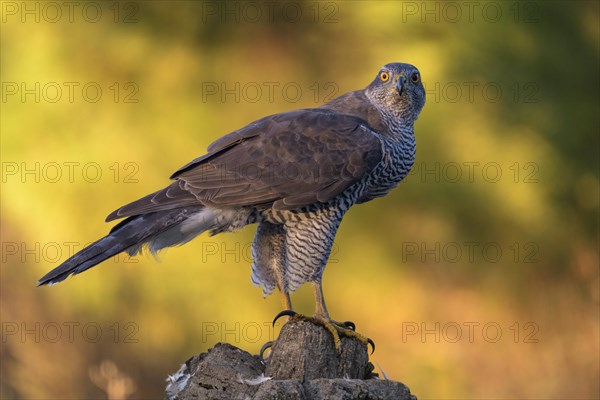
284	161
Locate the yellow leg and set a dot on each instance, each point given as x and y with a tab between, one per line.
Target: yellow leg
286	301
321	308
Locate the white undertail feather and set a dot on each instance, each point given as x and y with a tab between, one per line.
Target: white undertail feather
194	225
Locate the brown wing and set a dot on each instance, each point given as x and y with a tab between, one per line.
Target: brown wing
284	161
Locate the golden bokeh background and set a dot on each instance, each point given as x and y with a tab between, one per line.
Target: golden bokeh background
478	278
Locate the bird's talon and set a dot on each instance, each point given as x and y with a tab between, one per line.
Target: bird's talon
289	313
349	325
372	343
264	348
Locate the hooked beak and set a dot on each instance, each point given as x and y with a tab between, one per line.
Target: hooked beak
400	82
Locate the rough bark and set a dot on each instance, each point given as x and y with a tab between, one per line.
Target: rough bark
303	365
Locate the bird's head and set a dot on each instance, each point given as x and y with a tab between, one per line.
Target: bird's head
398	90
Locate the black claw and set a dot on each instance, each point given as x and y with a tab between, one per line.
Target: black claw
264	347
289	313
349	325
372	343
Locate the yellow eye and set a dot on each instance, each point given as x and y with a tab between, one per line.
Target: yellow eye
384	76
415	78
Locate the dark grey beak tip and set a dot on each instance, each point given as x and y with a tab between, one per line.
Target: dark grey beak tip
400	86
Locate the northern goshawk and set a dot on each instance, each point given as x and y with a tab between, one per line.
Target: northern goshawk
295	174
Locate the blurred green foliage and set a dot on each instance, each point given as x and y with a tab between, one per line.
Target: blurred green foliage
507	160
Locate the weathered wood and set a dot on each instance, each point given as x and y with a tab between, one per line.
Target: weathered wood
305	351
303	365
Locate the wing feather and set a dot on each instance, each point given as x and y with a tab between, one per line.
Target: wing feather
284	161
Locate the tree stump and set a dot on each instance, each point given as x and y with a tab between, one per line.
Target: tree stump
303	365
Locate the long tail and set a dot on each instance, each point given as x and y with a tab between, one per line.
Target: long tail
155	230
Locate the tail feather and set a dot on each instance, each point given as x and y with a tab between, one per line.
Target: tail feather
157	230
